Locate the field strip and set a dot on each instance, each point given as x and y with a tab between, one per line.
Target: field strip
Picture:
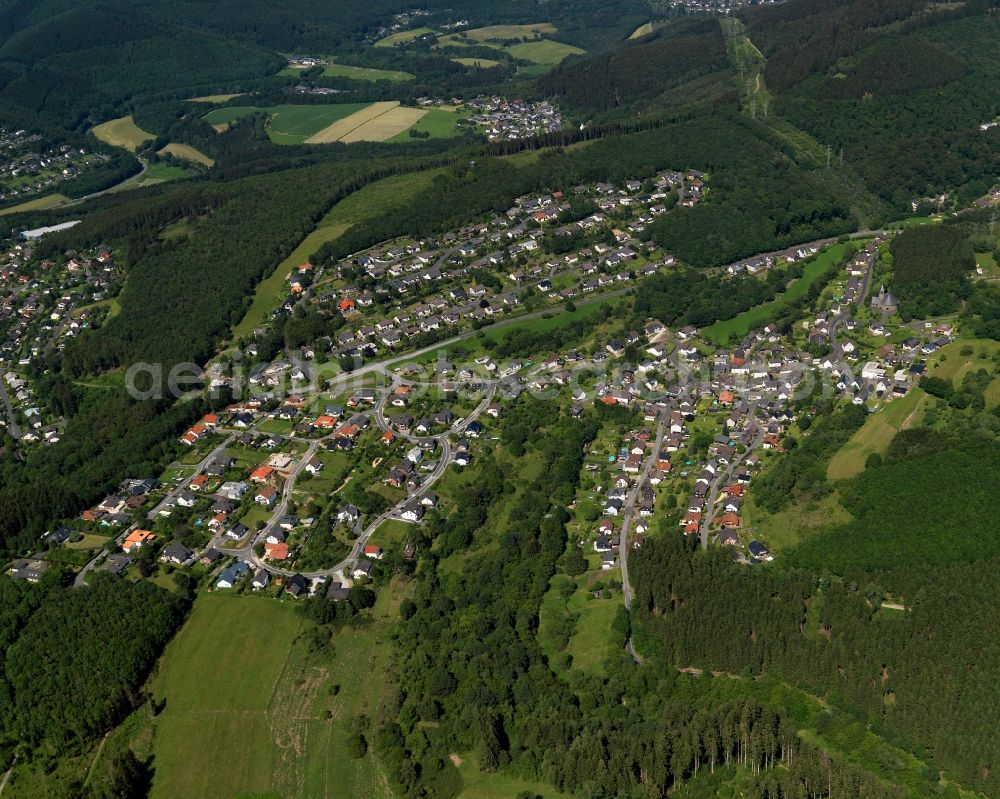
342	127
385	126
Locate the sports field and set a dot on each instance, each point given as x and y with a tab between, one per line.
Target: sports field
188	153
122	132
279	726
543	51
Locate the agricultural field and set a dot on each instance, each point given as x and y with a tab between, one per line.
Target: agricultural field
287	124
188	153
215	98
37	204
402	37
335	70
362	204
490	33
741	324
437	122
643	30
540	51
544	51
380	122
480	63
122	132
279	727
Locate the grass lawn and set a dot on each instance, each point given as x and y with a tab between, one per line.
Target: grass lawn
544	51
89	541
256	513
281	427
122	132
742	323
37	204
365	203
402	37
439	123
390	533
188	153
479	785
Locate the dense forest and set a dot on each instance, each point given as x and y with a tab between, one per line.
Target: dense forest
931	266
629	80
74	660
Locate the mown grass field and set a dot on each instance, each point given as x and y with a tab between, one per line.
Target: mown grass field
122	132
367	202
876	434
643	30
482	63
188	153
37	204
543	51
403	36
159	172
390	533
215	98
741	324
217	708
228	729
334	70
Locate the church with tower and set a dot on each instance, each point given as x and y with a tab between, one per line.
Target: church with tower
885	302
